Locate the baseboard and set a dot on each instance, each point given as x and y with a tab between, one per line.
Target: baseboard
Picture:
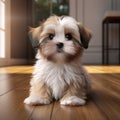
31	62
9	62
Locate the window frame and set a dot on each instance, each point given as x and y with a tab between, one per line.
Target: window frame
2	30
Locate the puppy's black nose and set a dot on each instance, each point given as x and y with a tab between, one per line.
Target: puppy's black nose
59	44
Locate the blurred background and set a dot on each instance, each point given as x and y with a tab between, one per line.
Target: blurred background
17	15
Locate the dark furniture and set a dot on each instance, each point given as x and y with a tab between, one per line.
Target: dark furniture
111	17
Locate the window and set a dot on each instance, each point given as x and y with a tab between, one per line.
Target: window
2	28
44	8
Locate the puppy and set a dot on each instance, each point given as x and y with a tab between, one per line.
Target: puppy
58	73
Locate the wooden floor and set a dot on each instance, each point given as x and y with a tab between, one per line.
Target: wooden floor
103	103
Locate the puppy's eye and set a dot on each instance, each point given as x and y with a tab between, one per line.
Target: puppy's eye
51	36
69	36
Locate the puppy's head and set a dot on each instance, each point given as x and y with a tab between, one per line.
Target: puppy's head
61	39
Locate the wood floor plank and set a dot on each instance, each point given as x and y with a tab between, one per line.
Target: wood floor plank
10	81
42	112
87	112
104	102
10	84
12	106
107	99
13	91
16	69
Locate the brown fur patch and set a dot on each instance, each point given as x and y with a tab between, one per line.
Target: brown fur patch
75	89
66	57
41	90
35	32
52	20
85	35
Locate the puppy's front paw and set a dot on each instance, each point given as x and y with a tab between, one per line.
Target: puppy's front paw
73	100
34	100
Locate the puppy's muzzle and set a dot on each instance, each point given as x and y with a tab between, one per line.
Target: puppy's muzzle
59	45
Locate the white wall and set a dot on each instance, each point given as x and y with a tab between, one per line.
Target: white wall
90	13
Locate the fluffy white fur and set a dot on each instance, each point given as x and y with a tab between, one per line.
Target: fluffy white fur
73	100
58	75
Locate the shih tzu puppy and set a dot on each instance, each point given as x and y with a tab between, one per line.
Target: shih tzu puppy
58	73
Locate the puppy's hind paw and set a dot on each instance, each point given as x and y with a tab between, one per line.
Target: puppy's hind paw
73	100
34	100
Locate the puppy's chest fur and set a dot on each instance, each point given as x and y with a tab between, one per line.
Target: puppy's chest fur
58	76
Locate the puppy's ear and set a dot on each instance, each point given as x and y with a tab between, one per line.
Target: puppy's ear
34	36
85	35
